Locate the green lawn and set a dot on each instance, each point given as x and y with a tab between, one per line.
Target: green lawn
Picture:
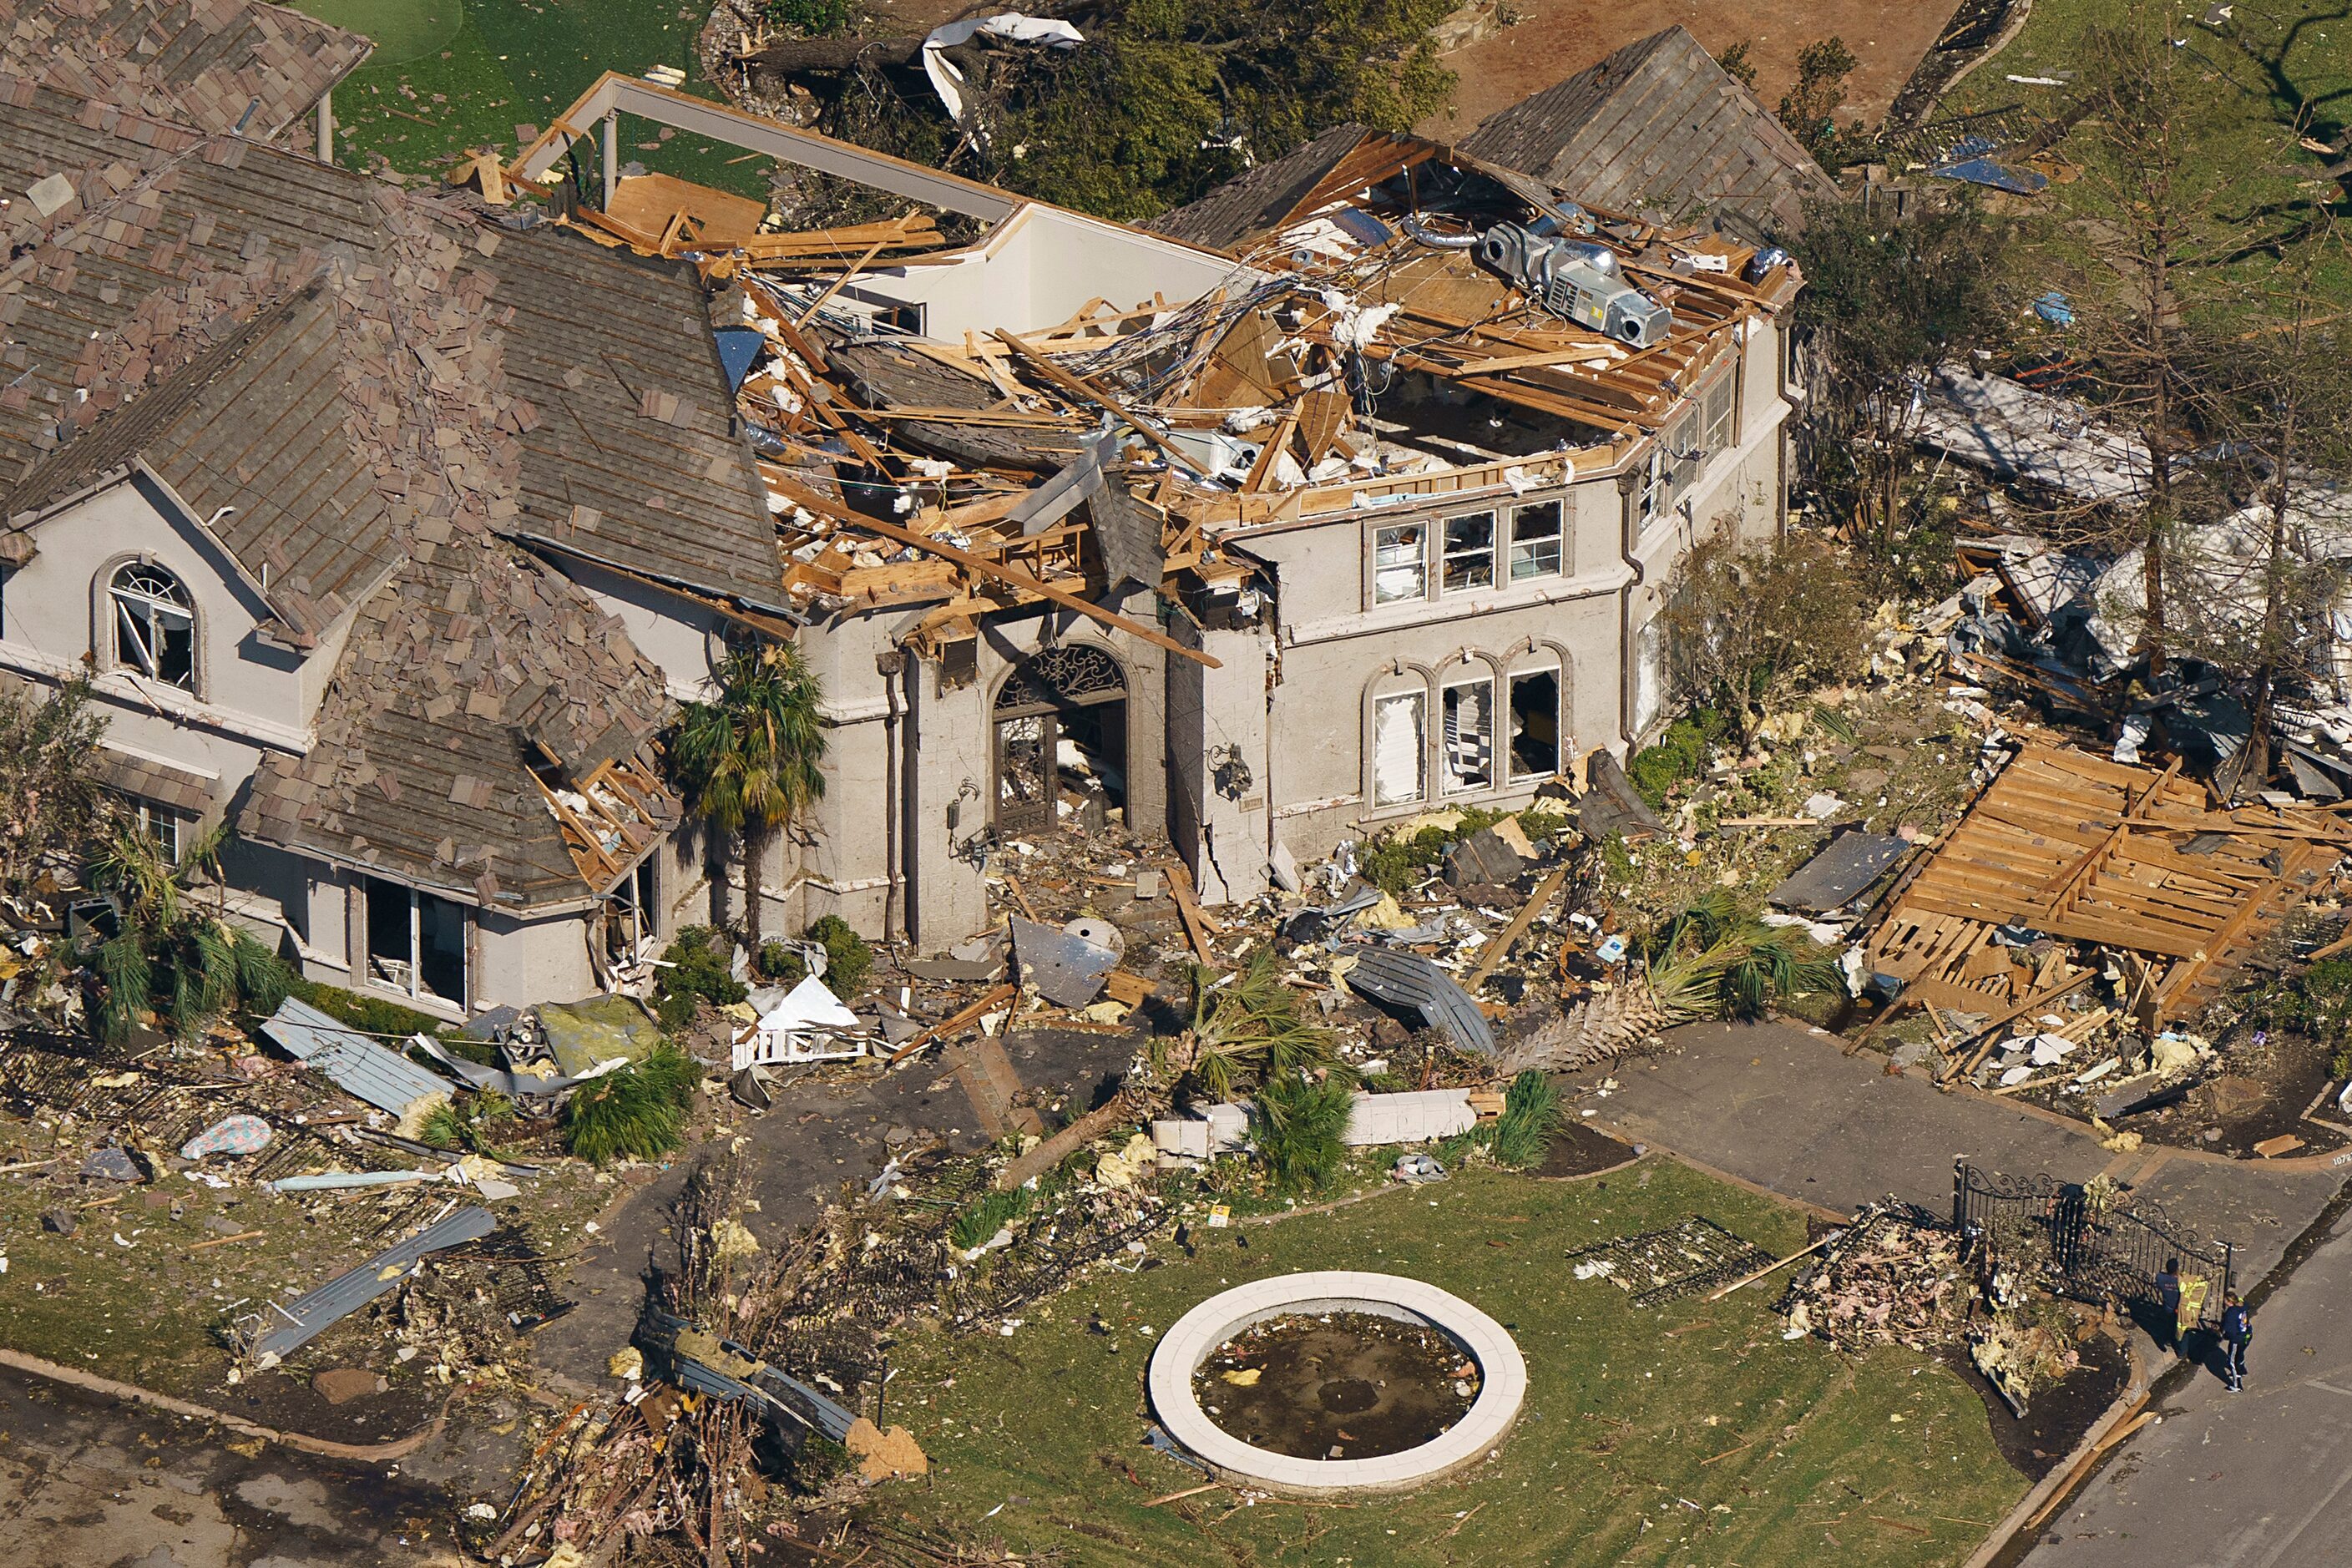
450	75
2277	76
1814	1459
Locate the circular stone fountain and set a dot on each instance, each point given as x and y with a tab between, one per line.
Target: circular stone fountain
1502	1381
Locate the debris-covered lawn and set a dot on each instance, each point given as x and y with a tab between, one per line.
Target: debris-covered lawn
1689	1432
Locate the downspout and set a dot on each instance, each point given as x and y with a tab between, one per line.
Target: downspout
891	664
1629	485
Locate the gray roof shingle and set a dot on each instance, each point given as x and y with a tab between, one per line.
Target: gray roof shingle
1250	203
1659	128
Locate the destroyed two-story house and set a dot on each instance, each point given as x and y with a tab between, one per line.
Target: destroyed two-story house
392	526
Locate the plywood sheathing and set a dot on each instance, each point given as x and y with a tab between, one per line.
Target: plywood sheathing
2089	850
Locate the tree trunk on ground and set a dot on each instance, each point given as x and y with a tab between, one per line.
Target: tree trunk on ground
796	57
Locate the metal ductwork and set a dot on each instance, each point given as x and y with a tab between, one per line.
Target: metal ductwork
1577	280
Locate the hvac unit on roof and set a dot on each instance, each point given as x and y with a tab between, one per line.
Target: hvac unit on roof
1576	278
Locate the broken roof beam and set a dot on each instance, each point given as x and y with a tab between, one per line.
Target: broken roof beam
615	93
1014	577
1077	385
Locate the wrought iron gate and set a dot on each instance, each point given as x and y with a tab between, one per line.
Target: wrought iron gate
2102	1251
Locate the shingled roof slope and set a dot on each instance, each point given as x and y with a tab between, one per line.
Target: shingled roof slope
1250	203
250	436
202	65
631	454
180	266
1659	128
171	233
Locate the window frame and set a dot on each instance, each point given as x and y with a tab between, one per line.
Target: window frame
1558	673
133	614
1416	697
147	815
1421	562
1485	677
363	970
1719	413
1557	538
1447	555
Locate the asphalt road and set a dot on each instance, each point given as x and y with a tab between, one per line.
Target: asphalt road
2258	1480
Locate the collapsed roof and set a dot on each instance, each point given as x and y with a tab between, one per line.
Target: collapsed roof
1063	404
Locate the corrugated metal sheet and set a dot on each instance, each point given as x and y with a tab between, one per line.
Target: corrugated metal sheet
285	1329
1409	981
352	1062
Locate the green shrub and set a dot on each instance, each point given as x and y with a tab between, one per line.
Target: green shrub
819	1462
815	19
697	968
975	1225
1522	1135
636	1112
847	960
470	1125
369	1015
1299	1122
1394	864
1679	755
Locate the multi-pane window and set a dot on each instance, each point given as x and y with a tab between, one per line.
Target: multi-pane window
1682	442
1721	406
159	823
154	625
1535	540
1470	552
1400	747
1466	739
1399	562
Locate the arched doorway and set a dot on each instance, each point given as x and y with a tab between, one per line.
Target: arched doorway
1060	743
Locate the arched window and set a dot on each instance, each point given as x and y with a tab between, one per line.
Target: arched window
154	623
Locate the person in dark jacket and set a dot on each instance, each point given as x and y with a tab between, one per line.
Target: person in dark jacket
2237	1330
2168	1298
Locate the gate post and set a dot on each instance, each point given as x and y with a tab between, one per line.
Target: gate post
1960	1189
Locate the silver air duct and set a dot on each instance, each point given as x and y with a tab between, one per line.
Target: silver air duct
1577	280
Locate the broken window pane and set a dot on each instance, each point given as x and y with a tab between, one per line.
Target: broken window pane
154	629
1399	563
390	958
1535	540
1468	750
1470	552
1399	724
1680	442
1535	724
415	941
440	949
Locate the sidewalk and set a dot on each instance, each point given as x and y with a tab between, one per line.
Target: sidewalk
2249	1480
1781	1106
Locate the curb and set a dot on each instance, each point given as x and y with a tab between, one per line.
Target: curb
2069	1473
130	1394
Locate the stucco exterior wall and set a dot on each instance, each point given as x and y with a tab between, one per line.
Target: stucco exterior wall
249	696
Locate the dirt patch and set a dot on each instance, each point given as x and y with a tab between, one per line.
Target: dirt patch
1578	1149
2058	1416
1337	1385
288	1401
1559	37
2260	1094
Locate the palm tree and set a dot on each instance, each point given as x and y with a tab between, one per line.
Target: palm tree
1714	960
747	761
168	953
1246	1024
